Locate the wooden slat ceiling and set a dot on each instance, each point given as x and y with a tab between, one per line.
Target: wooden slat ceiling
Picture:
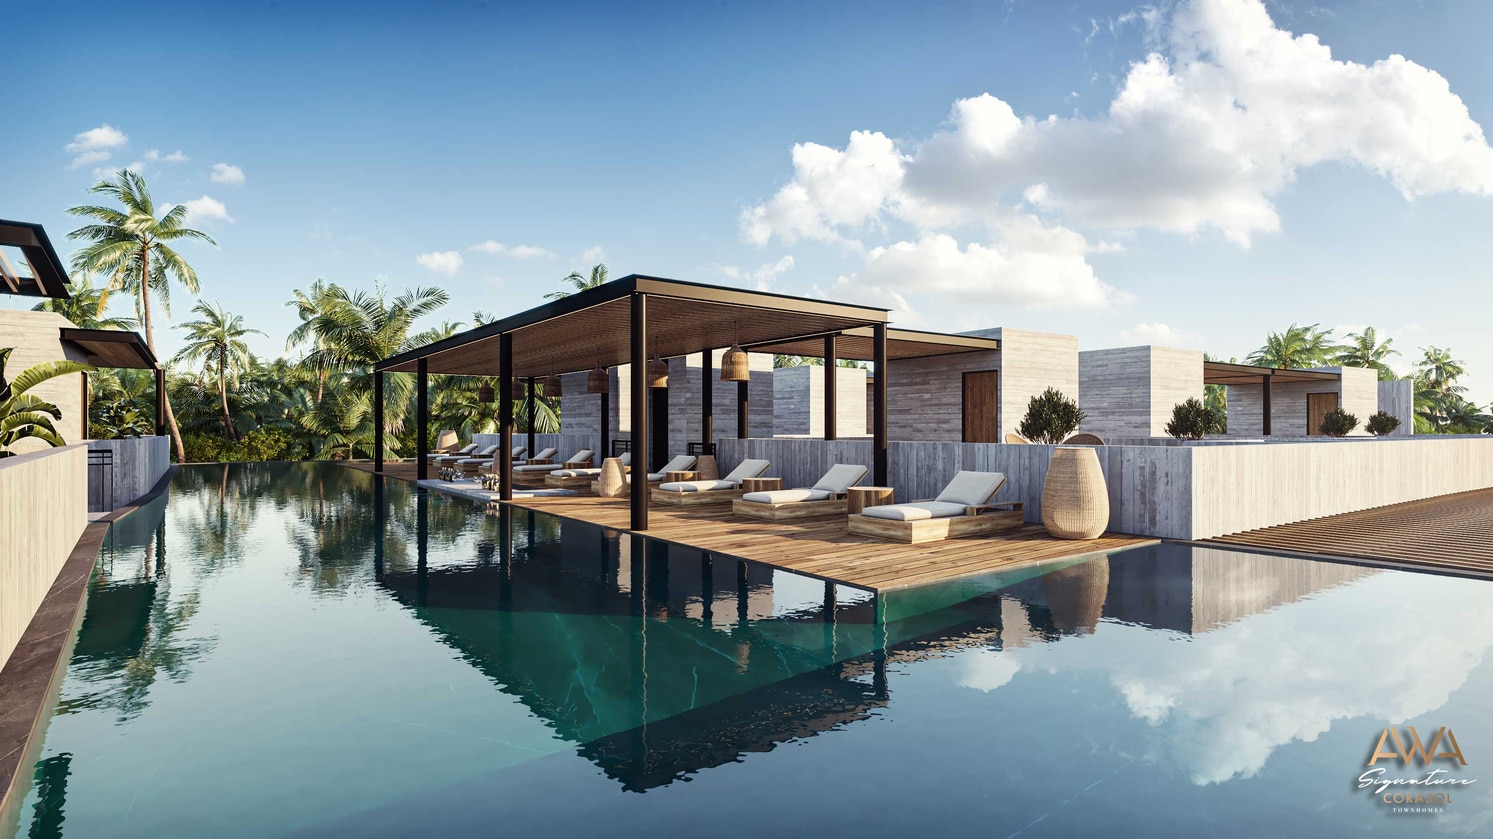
112	348
857	345
1221	373
600	335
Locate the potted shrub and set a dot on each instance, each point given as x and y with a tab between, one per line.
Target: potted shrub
1338	423
1050	418
1191	420
1382	424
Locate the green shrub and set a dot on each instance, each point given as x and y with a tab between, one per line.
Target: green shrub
1191	420
1382	424
1050	417
259	444
1338	423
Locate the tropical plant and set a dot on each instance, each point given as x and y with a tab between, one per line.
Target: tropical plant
1296	347
1338	423
1216	397
581	282
131	245
217	342
25	415
1364	349
1191	420
1050	417
782	360
87	306
1382	424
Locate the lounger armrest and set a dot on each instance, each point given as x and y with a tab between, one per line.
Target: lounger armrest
994	505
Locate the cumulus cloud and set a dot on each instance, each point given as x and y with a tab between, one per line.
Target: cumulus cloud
1157	332
441	262
94	145
174	157
206	208
762	276
593	254
1200	136
515	251
224	173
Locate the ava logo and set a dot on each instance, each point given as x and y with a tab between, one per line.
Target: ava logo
1440	757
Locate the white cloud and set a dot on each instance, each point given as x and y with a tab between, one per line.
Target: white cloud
593	254
1159	333
515	251
93	145
762	276
441	262
1201	135
489	247
224	173
208	208
173	157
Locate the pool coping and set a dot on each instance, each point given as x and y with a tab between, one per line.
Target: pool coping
32	677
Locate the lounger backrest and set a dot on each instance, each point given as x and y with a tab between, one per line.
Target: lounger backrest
467	449
841	476
519	450
972	489
679	463
487	451
546	453
748	469
625	459
582	456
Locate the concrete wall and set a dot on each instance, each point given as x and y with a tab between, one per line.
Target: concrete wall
138	465
34	335
1031	362
1397	398
798	401
1357	390
1131	391
43	510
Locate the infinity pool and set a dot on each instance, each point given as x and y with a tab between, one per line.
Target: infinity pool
301	649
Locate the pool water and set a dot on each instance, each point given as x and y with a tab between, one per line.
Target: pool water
308	650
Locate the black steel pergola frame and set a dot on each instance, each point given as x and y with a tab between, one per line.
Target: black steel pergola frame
1228	373
85	339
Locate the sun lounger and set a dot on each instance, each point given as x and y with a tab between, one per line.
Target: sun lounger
485	453
690	493
489	461
825	498
465	451
579	460
576	478
964	508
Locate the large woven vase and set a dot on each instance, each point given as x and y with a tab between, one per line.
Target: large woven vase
611	483
1075	501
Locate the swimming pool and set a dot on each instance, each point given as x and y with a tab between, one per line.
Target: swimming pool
304	649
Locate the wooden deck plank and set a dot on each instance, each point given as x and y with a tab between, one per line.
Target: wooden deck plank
821	548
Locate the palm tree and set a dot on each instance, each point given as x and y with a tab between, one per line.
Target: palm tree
1296	347
217	340
308	305
23	414
581	282
85	309
1365	350
131	245
1439	370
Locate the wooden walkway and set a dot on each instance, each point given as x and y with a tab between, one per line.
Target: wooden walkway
823	548
1449	533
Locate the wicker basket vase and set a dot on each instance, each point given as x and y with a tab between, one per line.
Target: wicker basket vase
707	468
611	483
1075	501
1075	595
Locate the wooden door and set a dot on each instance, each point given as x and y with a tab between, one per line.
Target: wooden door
1318	406
981	406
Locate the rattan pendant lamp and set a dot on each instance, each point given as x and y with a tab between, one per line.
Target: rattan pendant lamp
734	362
658	373
484	394
597	380
552	385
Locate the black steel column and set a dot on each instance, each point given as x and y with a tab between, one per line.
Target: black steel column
707	403
378	423
606	419
831	409
878	406
422	412
741	409
505	415
1265	400
639	488
533	410
160	402
85	405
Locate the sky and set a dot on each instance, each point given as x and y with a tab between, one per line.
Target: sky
1182	173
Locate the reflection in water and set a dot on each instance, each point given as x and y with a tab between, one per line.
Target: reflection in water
336	627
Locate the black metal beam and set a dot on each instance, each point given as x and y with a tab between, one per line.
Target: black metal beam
505	415
532	412
1265	401
160	401
606	420
831	407
638	487
378	423
878	408
85	405
707	403
422	419
743	398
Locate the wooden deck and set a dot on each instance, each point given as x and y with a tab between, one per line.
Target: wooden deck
822	548
1448	533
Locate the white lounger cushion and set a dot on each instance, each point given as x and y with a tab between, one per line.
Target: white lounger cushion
546	453
485	454
788	496
841	477
518	451
916	511
698	486
972	489
538	467
747	469
464	451
575	473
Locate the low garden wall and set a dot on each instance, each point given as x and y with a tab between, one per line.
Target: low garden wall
135	467
43	510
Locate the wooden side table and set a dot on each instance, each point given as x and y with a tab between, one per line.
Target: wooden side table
862	497
680	477
761	484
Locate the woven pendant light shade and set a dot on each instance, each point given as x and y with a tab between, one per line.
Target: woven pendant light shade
734	365
597	381
552	386
658	373
484	394
518	390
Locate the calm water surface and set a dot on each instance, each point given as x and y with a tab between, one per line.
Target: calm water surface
298	650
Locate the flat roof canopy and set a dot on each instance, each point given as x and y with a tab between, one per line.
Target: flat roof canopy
593	328
47	276
856	345
112	348
1224	373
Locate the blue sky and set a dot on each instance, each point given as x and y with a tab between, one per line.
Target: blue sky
648	135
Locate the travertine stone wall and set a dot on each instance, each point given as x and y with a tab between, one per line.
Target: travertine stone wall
798	401
1397	398
1131	391
35	337
1031	362
43	510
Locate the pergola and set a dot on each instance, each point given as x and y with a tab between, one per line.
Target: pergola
119	350
47	277
1224	373
630	321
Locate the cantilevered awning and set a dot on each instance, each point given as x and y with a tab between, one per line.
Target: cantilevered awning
593	328
112	348
1224	373
857	345
40	272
